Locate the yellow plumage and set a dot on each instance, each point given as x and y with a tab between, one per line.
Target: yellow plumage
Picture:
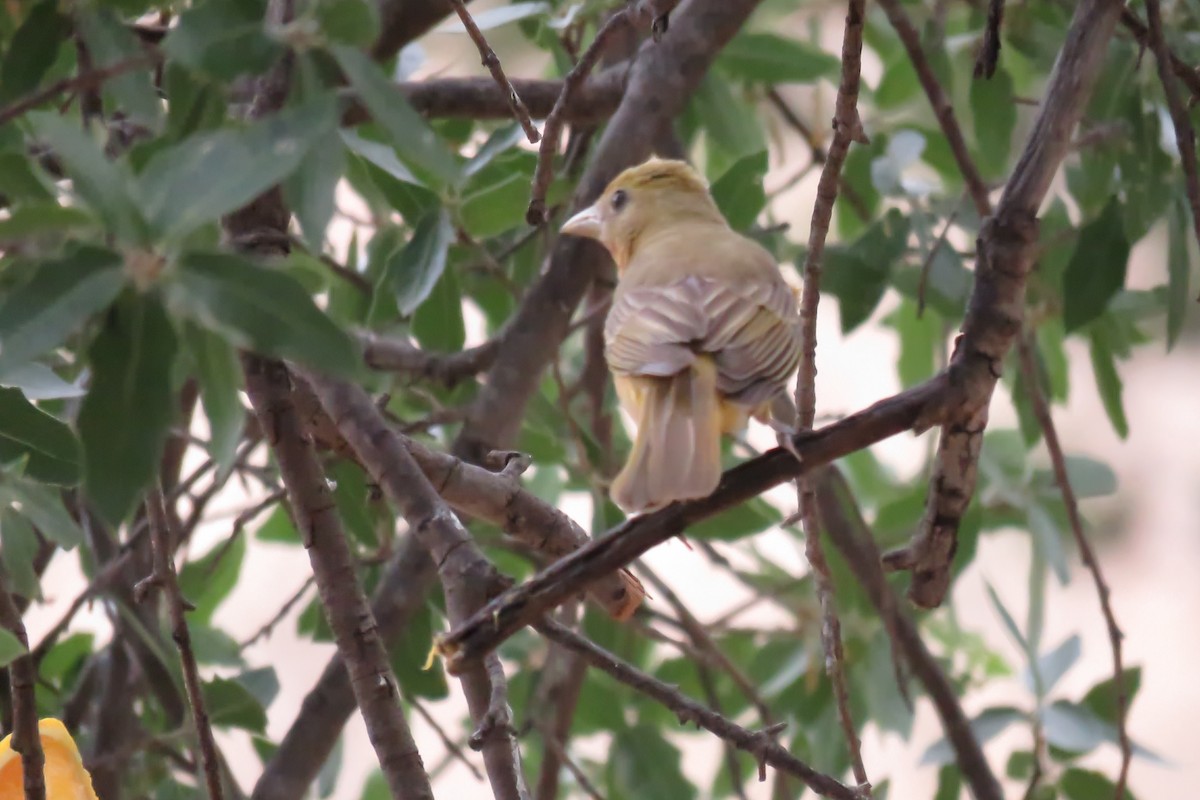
703	332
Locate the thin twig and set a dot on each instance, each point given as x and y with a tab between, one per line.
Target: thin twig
1041	410
84	80
928	263
1181	68
760	744
492	62
847	128
581	778
989	50
1185	136
163	577
22	680
635	15
269	627
452	747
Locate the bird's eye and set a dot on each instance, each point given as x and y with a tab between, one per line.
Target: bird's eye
619	199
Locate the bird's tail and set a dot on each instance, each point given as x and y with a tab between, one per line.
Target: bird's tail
677	452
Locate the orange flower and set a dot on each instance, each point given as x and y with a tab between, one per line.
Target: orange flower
66	779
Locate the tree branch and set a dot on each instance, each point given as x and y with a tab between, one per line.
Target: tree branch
760	744
470	640
391	354
22	680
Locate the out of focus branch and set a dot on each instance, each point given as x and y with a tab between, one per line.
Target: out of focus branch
392	354
22	680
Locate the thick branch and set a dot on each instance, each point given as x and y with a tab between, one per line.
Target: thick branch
22	680
342	597
917	408
392	354
481	98
662	79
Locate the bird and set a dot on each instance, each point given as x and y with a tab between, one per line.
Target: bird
703	332
64	774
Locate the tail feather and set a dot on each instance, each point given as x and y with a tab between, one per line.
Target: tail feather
677	452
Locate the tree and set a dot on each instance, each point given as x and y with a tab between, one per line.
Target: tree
169	185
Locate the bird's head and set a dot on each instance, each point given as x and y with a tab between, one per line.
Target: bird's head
650	198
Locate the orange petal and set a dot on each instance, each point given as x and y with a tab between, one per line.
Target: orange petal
66	779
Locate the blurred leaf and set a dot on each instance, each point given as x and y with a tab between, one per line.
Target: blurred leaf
278	528
1108	382
231	705
18	552
40	314
919	338
988	724
38	219
1101	699
196	103
1081	784
109	43
124	418
411	135
1179	267
10	648
1147	172
67	656
380	155
408	654
904	149
327	777
1009	623
1051	666
32	50
1088	477
739	191
106	186
208	580
994	112
220	377
1096	271
949	783
753	516
1020	765
350	493
214	646
502	141
438	323
729	125
212	173
309	191
28	432
42	506
351	22
898	83
1048	538
223	38
1074	728
857	275
642	763
262	682
770	59
261	309
412	272
21	182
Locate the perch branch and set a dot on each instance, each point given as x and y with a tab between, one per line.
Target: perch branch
492	62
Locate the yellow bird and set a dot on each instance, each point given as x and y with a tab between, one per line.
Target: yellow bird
66	779
703	332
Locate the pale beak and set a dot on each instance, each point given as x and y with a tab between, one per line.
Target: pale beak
586	223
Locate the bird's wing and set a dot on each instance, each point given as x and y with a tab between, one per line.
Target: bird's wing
751	328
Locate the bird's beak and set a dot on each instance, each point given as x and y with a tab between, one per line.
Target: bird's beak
586	223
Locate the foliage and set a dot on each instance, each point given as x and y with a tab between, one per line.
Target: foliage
122	302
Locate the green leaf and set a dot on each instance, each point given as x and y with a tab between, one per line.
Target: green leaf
40	314
220	377
124	418
309	191
1082	784
1101	699
231	705
104	185
408	656
1108	382
858	275
729	124
208	580
994	112
28	432
739	192
21	182
747	519
1088	477
1179	266
261	309
898	84
37	219
643	763
18	551
411	135
494	199
413	271
1096	271
262	682
1053	665
44	508
109	42
949	783
278	528
32	50
1009	623
214	646
10	648
1147	172
1074	728
919	339
352	22
213	173
223	38
438	323
988	724
1047	538
767	58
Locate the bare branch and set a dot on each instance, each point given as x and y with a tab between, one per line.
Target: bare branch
492	62
989	49
22	680
163	577
917	408
89	79
1183	71
399	355
760	744
1027	357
